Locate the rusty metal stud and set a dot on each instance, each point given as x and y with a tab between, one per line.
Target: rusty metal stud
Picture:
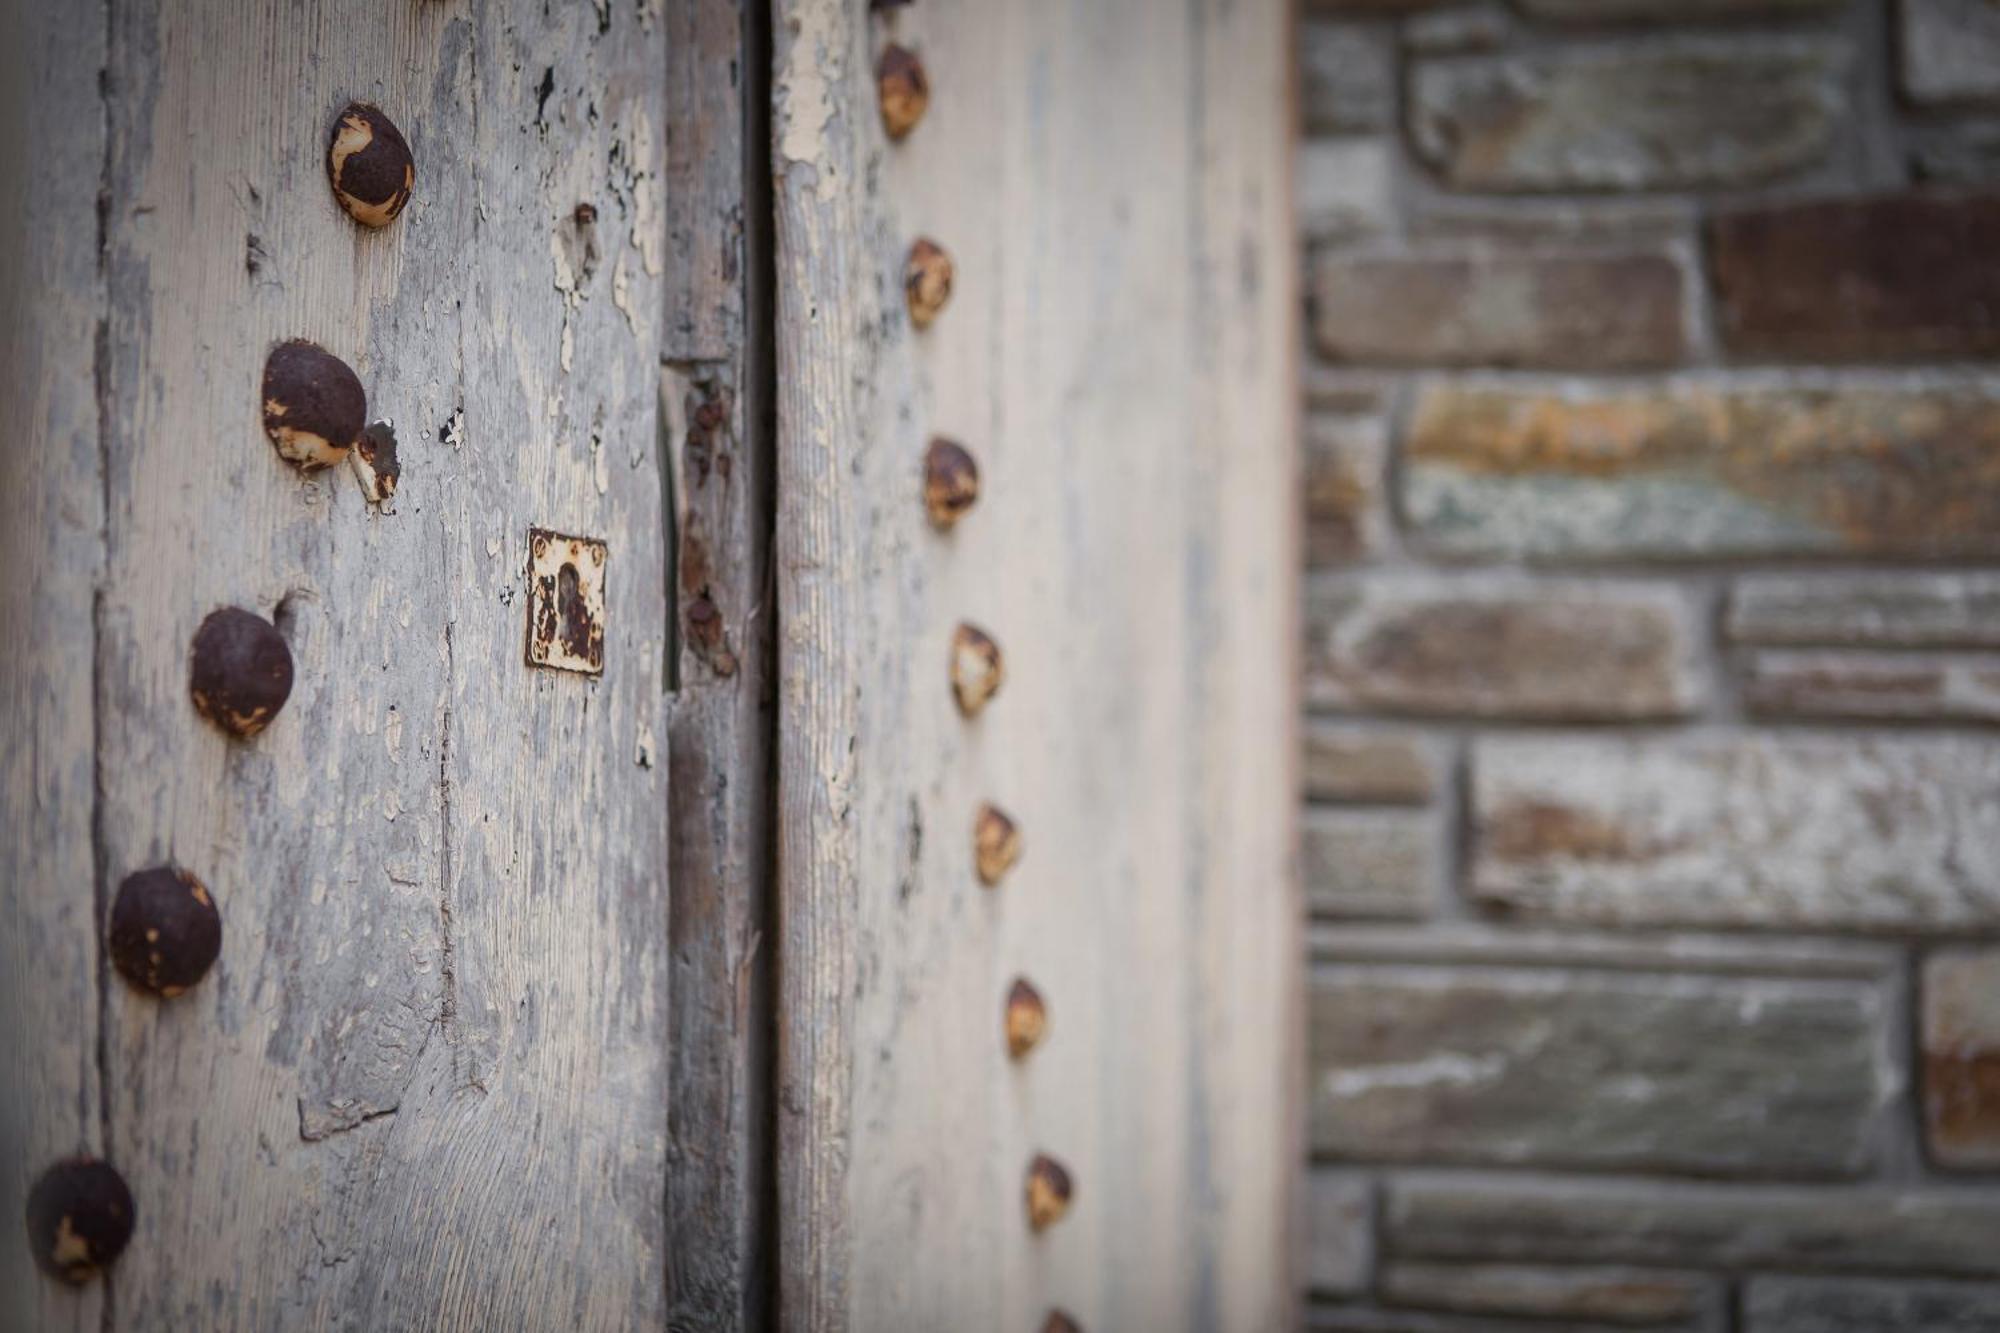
314	406
375	463
1027	1018
241	671
1060	1321
165	930
80	1217
996	844
976	668
951	483
369	165
1048	1192
902	89
566	602
926	281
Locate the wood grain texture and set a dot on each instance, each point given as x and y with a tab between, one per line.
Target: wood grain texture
715	406
425	1086
1112	182
825	306
51	551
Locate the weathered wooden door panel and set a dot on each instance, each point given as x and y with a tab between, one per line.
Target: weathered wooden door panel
1111	180
425	1084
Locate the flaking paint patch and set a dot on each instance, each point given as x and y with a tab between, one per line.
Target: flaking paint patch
648	233
815	65
565	271
621	295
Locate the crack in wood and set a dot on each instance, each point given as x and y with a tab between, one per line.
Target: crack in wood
307	1134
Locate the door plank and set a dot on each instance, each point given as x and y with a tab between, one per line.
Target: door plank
1116	353
715	409
425	1085
51	552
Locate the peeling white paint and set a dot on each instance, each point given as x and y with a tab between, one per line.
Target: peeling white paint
648	232
815	65
621	295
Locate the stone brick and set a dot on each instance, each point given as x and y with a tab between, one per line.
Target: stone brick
1356	1318
1347	79
1369	767
1704	470
1655	11
1343	389
1493	1066
1868	610
1492	647
1867	1230
1685	115
1961	1075
1600	312
1457	31
1830	1305
1344	188
1775	830
1483	944
1911	277
1346	469
1927	687
1380	864
1950	50
1339	1234
1958	155
1617	1295
1622	224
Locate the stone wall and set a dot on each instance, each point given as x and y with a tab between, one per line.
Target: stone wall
1652	827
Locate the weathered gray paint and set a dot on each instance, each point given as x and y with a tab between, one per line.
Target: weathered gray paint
425	1084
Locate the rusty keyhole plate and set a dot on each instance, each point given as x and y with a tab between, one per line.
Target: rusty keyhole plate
565	602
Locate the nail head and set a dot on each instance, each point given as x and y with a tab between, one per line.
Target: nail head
80	1218
314	406
951	483
996	844
165	930
902	88
1027	1018
1048	1192
241	671
977	670
926	282
369	164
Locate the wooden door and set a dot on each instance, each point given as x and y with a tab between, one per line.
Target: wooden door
425	1083
1110	181
662	994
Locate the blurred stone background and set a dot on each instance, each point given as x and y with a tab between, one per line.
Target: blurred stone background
1652	823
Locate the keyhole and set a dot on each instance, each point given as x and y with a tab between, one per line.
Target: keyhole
572	617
